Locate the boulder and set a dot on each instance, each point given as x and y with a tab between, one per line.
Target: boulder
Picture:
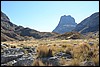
66	55
7	58
24	62
51	60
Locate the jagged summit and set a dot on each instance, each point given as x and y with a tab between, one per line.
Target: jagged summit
66	24
67	19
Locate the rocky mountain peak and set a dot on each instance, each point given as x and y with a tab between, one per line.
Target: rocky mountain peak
66	19
66	24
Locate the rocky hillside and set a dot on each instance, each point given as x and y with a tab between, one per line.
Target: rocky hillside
90	24
66	24
7	29
10	31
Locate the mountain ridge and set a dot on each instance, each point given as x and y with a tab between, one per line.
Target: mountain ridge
10	31
89	24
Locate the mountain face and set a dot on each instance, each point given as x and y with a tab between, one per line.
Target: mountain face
90	24
10	31
7	29
66	24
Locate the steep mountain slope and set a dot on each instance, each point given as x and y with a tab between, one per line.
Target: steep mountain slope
10	31
90	24
66	24
7	29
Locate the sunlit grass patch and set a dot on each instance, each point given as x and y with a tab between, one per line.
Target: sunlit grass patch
75	62
44	51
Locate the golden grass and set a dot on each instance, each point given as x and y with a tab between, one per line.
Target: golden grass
96	60
44	51
38	63
80	49
75	62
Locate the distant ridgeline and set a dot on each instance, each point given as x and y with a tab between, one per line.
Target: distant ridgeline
90	24
10	31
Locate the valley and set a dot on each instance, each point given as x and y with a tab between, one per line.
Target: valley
69	44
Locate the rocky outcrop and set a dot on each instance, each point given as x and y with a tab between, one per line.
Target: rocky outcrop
17	56
5	59
90	24
66	24
25	56
67	55
87	63
71	35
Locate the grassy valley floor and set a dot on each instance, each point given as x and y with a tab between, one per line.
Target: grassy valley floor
80	51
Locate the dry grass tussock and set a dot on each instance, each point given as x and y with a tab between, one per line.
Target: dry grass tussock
44	51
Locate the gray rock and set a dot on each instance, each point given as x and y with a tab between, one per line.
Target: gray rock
7	58
91	43
33	49
87	63
30	50
60	54
3	46
53	58
17	57
24	62
4	65
11	51
66	55
10	63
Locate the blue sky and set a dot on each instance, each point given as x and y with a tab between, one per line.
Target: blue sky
44	16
